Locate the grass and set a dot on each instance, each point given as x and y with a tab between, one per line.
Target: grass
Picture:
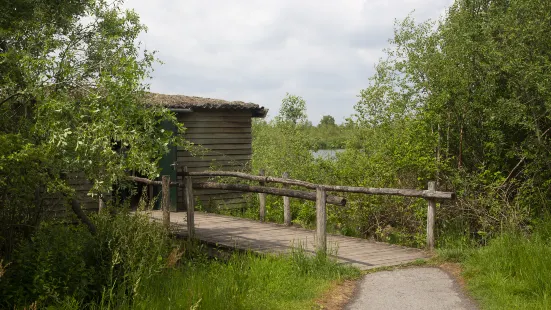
244	281
132	264
512	272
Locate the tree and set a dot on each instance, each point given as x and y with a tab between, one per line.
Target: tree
472	93
72	99
327	120
293	109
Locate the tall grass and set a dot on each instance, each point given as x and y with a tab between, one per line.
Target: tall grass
132	264
66	264
513	271
245	281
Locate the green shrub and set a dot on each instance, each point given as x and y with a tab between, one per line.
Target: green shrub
56	262
132	249
64	264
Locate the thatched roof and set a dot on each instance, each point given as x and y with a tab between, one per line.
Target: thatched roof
199	103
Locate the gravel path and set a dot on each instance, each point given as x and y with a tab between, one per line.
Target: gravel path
423	288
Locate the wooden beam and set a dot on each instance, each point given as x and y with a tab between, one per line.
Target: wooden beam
206	164
165	204
321	220
209	123
190	130
222	117
190	204
207	142
213	157
150	182
431	215
101	204
222	147
246	150
150	196
334	200
286	205
218	135
208	113
262	200
332	188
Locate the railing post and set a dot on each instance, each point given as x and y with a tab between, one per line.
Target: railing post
431	214
321	218
262	199
190	203
286	204
101	204
150	196
165	205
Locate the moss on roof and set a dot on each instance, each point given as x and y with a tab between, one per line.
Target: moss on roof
192	102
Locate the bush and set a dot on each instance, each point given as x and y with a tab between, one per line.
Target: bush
64	264
132	249
56	262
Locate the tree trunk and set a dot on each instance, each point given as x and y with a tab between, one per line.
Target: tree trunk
75	206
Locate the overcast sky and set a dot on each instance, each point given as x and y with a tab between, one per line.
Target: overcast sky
256	51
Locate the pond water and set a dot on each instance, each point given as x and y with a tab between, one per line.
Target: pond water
326	154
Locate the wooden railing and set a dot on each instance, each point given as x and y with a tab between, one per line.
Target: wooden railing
320	196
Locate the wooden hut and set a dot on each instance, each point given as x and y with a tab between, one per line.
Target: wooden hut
223	129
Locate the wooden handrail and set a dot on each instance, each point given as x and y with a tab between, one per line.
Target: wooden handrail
320	196
427	194
334	200
150	182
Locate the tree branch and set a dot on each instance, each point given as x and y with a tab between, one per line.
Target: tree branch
75	206
14	95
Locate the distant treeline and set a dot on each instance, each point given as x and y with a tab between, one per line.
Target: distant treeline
325	136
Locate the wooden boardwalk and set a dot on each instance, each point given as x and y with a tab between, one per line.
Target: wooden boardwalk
274	238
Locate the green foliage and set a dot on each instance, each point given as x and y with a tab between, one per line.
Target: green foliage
55	263
22	178
463	102
327	120
134	249
72	100
127	266
327	137
293	110
513	271
66	264
374	158
280	147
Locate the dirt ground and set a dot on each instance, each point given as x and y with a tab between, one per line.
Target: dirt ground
338	296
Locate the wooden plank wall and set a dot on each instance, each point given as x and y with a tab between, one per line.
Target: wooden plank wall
55	204
227	136
82	186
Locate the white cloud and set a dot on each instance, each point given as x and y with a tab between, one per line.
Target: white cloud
256	51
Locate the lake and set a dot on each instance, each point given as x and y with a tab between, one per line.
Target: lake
326	154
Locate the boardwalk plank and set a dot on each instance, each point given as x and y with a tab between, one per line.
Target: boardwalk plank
252	235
